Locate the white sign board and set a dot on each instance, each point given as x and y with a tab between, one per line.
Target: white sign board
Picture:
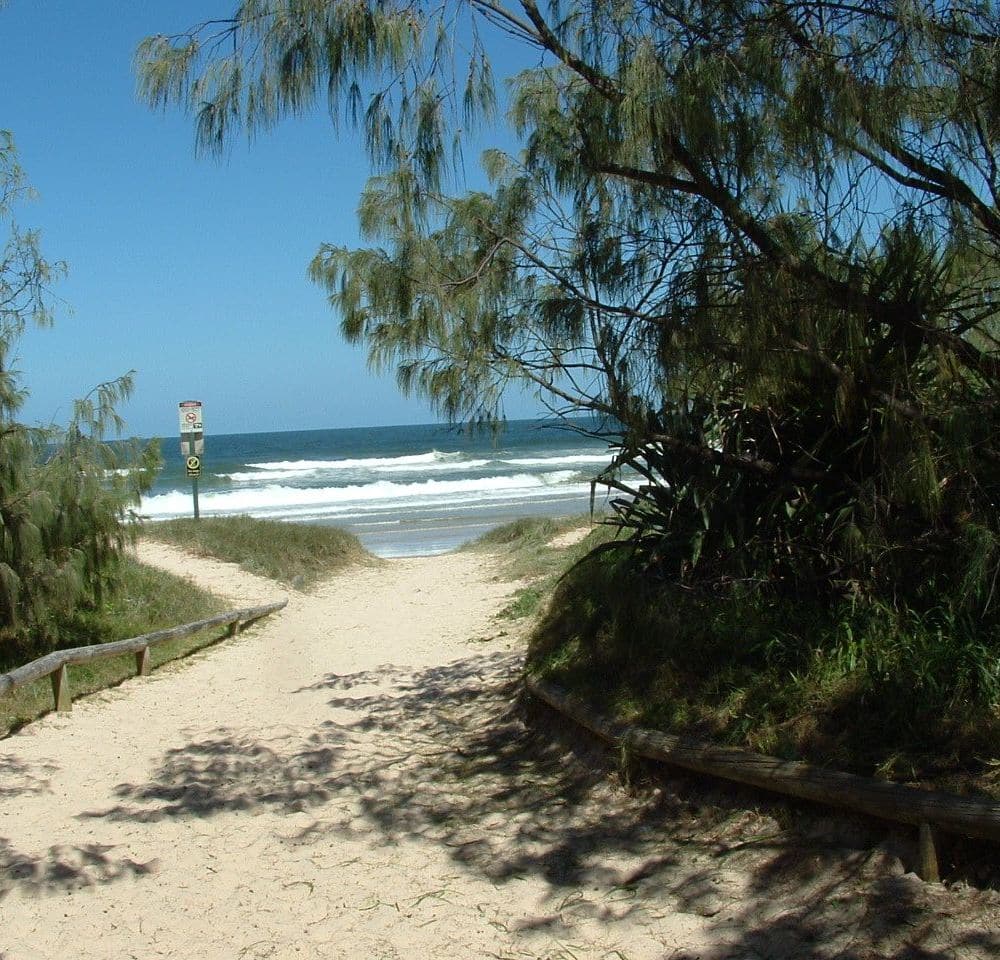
189	412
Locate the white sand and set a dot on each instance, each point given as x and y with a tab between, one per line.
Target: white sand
352	778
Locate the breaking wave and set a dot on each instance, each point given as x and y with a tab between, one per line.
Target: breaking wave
279	501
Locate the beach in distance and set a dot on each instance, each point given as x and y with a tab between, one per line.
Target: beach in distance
403	491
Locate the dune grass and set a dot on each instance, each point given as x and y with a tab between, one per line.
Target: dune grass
296	554
868	691
146	600
871	691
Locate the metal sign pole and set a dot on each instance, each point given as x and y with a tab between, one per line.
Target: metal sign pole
192	443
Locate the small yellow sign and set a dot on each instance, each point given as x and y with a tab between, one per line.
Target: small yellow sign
194	466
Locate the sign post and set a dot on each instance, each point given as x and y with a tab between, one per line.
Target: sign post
192	443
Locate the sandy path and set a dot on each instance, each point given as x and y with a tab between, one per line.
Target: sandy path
352	778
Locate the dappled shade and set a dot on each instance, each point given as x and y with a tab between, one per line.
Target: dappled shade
444	757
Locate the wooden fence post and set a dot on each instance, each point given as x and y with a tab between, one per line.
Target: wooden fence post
927	863
142	662
60	689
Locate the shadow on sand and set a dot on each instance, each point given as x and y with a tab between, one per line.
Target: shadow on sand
18	778
65	867
452	757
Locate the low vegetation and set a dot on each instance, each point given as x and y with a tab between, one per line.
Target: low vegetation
857	687
293	553
526	544
144	600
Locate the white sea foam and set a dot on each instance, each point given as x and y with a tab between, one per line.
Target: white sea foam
559	460
604	458
440	466
275	500
268	476
364	463
432	462
318	467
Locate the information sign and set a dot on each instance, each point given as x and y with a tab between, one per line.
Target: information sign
189	413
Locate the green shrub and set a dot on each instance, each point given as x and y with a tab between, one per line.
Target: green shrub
864	687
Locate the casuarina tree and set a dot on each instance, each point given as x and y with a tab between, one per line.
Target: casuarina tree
66	494
758	238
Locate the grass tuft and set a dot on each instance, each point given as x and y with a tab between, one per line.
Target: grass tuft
527	552
526	602
296	554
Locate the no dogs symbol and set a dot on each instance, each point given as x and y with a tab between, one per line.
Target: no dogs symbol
194	466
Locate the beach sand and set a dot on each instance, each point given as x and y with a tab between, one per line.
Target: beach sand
354	777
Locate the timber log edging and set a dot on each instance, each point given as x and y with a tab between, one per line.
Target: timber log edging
925	809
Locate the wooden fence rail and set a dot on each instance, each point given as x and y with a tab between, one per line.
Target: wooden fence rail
925	809
54	664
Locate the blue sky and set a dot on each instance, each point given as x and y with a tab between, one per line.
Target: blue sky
190	271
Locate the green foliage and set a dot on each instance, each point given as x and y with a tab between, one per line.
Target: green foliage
862	688
526	602
142	600
66	494
294	553
529	551
758	238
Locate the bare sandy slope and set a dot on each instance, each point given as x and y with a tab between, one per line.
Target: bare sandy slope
353	778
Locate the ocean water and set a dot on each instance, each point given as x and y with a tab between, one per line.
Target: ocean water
403	491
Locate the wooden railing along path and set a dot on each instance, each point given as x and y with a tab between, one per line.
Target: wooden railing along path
55	664
924	809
